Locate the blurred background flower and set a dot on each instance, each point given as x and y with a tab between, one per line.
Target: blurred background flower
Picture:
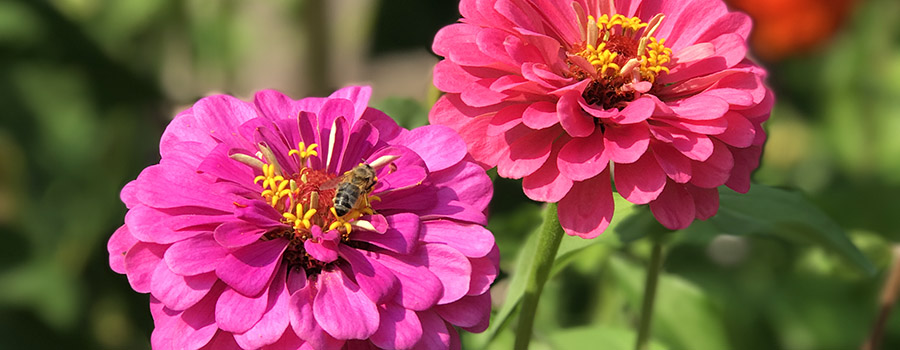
88	85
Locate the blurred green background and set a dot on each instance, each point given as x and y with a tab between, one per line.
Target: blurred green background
87	86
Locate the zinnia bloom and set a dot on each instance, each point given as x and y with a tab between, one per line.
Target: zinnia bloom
569	95
235	236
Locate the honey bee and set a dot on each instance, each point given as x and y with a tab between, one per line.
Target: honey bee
352	187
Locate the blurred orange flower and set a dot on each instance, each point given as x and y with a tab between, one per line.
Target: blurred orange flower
786	27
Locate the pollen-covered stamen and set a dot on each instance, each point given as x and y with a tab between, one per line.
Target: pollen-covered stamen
621	57
306	201
304	152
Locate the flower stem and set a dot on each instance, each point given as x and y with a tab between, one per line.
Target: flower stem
650	283
548	244
888	299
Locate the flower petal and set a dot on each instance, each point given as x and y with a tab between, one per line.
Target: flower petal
473	241
626	143
640	182
674	208
337	296
399	328
195	255
179	292
274	321
249	269
584	157
588	207
118	246
140	263
237	313
470	312
376	281
573	119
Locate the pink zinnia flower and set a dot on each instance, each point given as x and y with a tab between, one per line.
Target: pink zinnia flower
235	236
656	95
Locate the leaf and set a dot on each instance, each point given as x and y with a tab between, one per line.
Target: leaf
770	211
597	337
684	317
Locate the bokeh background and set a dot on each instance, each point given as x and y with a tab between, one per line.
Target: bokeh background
87	86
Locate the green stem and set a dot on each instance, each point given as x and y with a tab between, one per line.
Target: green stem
652	280
548	244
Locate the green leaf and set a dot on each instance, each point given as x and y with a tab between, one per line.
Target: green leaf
684	317
770	211
597	337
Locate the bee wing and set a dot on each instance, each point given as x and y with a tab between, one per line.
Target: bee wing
333	183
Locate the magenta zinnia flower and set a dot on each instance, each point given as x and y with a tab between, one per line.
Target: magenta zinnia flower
656	95
235	236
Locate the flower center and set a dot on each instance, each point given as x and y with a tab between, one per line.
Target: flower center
306	200
621	58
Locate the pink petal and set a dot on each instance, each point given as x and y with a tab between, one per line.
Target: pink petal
249	269
473	241
706	201
745	160
540	115
174	186
274	321
676	166
300	310
339	298
573	119
715	171
376	281
399	329
358	95
220	115
190	329
694	146
140	263
118	246
450	77
451	267
548	184
179	292
402	236
468	181
128	195
238	313
636	111
434	332
420	289
222	341
701	107
471	312
506	118
484	271
288	341
480	94
439	146
588	208
195	255
674	208
363	137
640	182
740	132
527	154
583	158
236	234
626	143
